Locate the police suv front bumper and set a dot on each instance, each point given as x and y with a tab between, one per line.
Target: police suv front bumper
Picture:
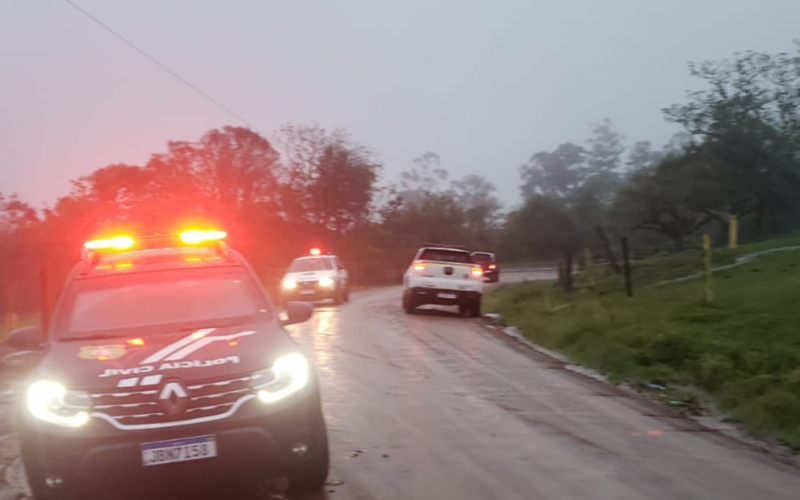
256	446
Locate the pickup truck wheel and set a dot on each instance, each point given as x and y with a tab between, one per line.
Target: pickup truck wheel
475	309
409	304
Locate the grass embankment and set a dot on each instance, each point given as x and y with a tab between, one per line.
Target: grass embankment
741	353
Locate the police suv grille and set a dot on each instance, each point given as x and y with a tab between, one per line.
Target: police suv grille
307	284
207	399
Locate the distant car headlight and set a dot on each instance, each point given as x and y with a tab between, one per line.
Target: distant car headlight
52	402
289	374
326	282
289	284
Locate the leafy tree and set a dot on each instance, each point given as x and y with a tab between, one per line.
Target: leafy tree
746	119
474	194
554	174
233	168
541	229
344	187
642	155
604	161
427	177
327	179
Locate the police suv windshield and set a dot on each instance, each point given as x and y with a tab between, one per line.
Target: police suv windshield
158	302
310	264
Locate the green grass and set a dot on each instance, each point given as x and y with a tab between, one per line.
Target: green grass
654	270
741	353
787	240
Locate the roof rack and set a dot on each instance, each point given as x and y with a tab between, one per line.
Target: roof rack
442	245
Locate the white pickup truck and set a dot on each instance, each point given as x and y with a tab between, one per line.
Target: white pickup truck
443	275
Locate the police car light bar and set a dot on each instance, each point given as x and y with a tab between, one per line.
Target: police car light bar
316	252
113	243
197	236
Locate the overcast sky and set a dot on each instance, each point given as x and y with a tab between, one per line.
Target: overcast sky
482	83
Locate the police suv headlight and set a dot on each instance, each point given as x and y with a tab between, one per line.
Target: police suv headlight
52	402
288	375
326	282
289	284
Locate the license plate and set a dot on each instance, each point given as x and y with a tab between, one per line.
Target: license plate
447	296
178	450
306	292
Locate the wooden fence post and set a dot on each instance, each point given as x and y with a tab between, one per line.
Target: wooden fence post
612	259
733	232
709	292
627	262
587	265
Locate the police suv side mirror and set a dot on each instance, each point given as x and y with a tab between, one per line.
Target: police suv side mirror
27	338
297	312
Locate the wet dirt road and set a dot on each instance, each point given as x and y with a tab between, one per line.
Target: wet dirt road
443	408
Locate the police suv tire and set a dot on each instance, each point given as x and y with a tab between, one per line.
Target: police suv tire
39	488
312	475
338	296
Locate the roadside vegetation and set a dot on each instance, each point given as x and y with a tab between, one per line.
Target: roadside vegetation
740	354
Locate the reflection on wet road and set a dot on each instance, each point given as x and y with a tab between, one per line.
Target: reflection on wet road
435	406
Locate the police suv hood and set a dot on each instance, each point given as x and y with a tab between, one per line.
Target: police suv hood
187	355
300	277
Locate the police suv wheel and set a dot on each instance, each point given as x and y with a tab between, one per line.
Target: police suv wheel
40	490
311	475
338	296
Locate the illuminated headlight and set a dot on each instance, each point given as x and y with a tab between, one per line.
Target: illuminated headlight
326	282
53	403
289	284
288	375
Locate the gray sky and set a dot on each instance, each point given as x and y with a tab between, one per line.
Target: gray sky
483	84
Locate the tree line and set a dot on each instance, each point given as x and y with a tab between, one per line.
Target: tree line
305	185
277	197
738	154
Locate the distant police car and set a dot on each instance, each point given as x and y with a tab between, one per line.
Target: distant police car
166	365
316	276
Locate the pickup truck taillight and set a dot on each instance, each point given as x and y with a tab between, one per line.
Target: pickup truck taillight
477	272
419	266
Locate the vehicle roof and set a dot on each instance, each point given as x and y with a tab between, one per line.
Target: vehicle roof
307	257
483	253
449	249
